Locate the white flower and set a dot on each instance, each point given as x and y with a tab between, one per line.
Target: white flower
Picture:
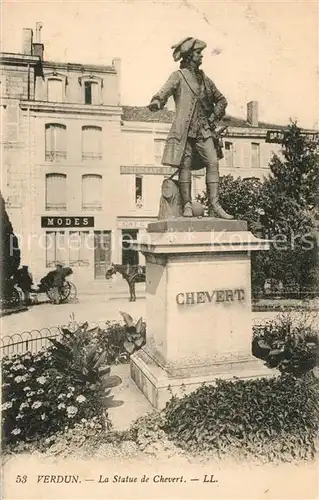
70	388
24	405
27	388
16	431
31	369
17	367
36	405
80	399
61	396
29	394
72	411
19	416
69	395
43	416
40	391
41	380
18	379
61	406
7	405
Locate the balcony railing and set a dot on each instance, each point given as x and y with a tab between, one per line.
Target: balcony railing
92	206
55	155
56	206
91	156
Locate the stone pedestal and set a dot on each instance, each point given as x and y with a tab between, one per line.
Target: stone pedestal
198	306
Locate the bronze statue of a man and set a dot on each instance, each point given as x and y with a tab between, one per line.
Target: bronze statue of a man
190	143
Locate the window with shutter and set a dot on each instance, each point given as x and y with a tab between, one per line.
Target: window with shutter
255	155
91	192
91	143
92	93
229	154
55	90
55	192
196	186
158	150
55	142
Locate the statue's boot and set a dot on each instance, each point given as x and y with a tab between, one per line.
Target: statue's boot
214	207
185	191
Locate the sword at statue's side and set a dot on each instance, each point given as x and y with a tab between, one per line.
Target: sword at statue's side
217	139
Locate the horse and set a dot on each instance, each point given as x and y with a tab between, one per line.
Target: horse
130	273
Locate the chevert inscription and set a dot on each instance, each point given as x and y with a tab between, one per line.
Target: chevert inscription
189	298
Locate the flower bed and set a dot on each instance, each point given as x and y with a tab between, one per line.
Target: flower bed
56	401
56	388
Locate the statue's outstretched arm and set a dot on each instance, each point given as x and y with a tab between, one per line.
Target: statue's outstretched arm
161	97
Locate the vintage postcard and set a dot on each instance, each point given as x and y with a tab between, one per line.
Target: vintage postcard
159	249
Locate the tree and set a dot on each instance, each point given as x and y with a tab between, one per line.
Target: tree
285	203
10	252
240	197
288	202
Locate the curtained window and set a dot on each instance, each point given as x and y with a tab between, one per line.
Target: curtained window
55	248
79	248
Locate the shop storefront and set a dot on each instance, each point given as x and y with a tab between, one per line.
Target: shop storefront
75	242
129	228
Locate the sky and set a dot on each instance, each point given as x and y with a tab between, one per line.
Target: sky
264	51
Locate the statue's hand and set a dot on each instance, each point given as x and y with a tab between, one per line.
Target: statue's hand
212	121
154	106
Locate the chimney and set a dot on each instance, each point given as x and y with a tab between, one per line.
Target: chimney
27	41
252	113
38	47
116	63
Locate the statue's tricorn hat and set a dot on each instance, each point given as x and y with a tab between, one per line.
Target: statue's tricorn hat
185	46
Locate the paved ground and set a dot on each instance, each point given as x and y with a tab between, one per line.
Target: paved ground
88	308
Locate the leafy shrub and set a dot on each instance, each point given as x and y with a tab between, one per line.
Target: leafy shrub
269	419
135	334
120	341
56	388
287	343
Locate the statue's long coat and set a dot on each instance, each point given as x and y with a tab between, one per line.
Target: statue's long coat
185	89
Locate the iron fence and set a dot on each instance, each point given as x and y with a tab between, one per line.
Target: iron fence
32	341
286	294
35	340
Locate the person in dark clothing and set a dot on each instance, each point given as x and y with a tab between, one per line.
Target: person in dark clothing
24	280
58	281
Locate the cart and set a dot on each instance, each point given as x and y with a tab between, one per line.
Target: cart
67	292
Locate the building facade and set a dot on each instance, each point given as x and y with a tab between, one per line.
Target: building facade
81	174
61	172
